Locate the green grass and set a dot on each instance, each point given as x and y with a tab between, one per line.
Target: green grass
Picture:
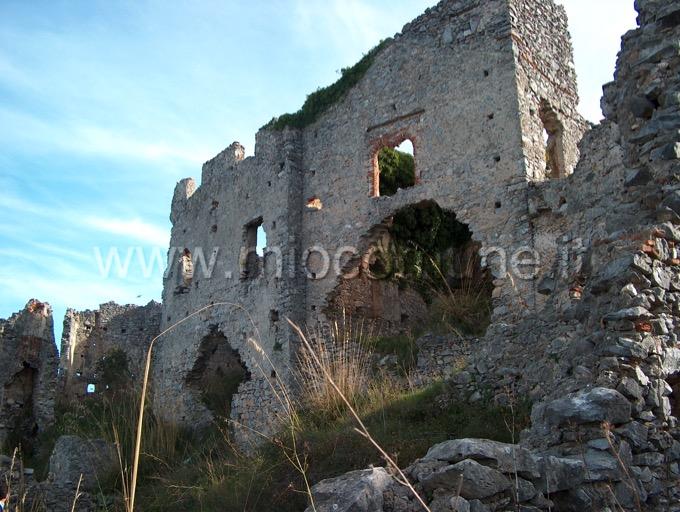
405	423
320	101
403	346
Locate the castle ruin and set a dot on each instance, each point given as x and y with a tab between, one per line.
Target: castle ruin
577	224
473	85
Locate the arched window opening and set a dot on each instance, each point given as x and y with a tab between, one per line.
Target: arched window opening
394	168
217	373
422	267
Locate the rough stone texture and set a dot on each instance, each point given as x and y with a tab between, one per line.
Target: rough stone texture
504	457
474	480
94	459
595	406
478	142
97	462
593	342
28	372
88	337
359	491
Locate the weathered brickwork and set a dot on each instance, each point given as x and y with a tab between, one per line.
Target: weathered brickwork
451	82
28	373
598	352
89	336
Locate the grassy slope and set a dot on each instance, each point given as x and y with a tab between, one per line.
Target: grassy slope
406	425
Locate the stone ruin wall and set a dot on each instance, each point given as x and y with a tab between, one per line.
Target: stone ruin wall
28	372
470	154
608	317
449	82
602	311
593	338
89	336
217	214
34	375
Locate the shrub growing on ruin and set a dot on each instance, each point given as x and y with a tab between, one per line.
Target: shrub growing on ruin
432	252
113	371
320	101
397	170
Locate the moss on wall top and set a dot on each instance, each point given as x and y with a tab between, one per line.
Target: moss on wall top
318	102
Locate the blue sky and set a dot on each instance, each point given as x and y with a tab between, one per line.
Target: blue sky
105	105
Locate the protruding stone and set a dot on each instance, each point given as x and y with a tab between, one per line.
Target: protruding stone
595	406
358	491
474	480
507	458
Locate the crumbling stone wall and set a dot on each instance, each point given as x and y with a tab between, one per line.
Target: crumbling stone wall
454	82
598	355
592	339
546	77
89	336
28	373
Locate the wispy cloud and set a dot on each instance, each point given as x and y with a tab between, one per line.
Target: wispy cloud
25	130
133	229
352	26
127	230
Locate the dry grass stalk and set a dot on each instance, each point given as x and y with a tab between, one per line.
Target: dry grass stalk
280	392
467	307
361	429
22	497
341	351
628	480
284	398
78	494
130	500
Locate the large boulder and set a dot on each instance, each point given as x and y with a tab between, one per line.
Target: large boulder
594	406
558	474
73	456
358	491
474	480
507	458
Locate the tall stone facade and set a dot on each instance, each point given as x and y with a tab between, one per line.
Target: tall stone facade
90	336
28	374
473	85
597	349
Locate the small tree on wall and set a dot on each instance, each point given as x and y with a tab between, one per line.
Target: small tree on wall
113	371
397	170
429	250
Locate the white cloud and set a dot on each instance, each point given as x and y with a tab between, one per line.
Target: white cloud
134	229
101	141
131	229
36	135
352	26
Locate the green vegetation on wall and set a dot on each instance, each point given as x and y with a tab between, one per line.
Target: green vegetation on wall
113	371
420	234
430	251
318	102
